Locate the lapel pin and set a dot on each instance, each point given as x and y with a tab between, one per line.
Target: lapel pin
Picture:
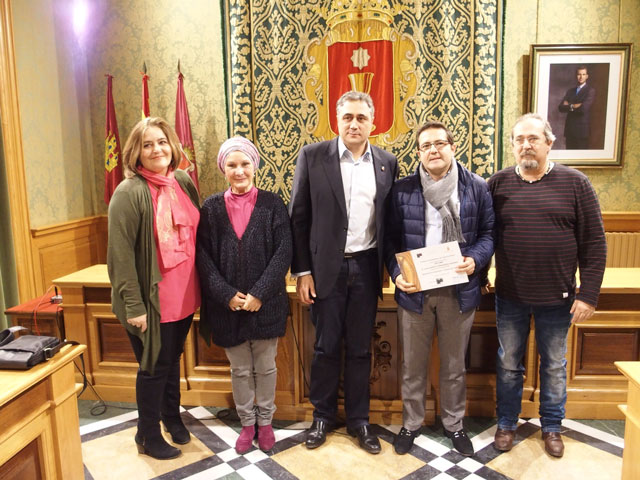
382	168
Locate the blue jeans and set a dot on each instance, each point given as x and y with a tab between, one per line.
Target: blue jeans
551	326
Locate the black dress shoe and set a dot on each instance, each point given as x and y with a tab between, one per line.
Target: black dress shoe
404	440
367	439
460	442
317	434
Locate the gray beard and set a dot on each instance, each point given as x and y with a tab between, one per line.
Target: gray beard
529	164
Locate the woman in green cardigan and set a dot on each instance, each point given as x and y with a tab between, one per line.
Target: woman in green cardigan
153	219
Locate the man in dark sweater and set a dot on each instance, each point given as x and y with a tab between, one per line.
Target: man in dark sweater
548	222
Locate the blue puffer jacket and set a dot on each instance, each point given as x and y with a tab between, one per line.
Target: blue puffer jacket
405	230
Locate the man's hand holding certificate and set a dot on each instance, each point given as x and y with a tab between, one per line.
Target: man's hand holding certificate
433	267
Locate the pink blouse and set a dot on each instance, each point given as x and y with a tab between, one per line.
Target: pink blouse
240	208
179	289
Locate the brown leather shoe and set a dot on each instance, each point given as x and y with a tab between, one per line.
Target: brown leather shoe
503	440
553	443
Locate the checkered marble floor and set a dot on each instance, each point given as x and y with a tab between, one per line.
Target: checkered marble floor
592	450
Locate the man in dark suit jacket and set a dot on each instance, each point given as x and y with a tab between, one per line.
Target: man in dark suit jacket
340	192
577	103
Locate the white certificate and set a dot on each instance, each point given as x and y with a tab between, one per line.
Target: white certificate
432	267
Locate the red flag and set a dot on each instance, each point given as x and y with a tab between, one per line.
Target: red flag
145	95
366	67
183	129
112	157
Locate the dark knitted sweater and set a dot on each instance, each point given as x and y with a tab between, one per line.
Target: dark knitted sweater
255	264
544	231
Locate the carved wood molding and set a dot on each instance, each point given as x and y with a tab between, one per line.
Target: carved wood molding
621	221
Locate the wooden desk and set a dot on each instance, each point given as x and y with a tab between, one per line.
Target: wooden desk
630	463
594	385
40	316
40	433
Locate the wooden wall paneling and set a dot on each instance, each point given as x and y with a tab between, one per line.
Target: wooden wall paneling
209	355
594	386
114	343
481	365
599	348
67	247
386	362
24	464
113	364
301	375
285	359
308	334
38	431
207	370
75	326
483	345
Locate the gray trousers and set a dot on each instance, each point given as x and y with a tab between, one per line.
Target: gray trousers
253	377
442	311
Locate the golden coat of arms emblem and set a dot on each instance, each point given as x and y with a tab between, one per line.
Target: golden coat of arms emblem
361	51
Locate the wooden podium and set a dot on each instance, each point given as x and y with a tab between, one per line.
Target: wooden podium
40	431
630	464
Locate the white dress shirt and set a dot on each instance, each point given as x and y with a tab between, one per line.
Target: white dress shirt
359	183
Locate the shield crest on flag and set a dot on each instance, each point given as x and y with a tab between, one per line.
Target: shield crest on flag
361	51
366	67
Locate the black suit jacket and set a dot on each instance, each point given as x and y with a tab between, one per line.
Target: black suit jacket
318	211
577	122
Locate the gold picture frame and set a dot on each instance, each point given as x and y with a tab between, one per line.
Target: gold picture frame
589	122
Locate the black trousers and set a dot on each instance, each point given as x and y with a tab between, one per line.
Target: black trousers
158	395
346	316
577	143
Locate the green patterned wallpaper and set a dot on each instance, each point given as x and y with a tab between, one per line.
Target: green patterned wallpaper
588	21
54	111
160	32
62	86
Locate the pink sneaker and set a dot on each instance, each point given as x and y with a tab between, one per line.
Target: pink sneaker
266	437
243	444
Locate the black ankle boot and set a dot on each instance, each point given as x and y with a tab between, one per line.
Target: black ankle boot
177	430
156	447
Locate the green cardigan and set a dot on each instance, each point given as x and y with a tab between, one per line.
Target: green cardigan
132	260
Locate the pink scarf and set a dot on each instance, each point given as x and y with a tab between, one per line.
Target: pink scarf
172	222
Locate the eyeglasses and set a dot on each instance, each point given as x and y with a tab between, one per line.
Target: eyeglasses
531	140
426	147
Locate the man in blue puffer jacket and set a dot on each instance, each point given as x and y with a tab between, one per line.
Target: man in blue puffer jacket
441	202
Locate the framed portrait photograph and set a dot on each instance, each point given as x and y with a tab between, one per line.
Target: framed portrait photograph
582	91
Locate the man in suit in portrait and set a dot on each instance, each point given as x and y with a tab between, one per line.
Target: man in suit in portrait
577	103
340	192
